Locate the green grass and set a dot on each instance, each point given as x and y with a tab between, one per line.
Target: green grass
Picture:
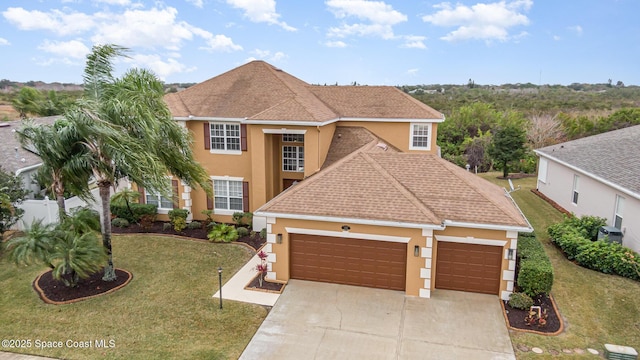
166	312
596	308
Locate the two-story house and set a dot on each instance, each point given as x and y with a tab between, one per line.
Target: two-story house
368	201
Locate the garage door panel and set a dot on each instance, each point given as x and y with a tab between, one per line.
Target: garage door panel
347	261
468	267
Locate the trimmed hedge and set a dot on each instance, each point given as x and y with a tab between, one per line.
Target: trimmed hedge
535	275
573	235
121	211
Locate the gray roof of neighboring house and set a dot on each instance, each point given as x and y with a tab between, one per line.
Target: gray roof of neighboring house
12	156
613	156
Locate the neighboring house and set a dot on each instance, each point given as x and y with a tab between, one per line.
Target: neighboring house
368	201
597	175
16	160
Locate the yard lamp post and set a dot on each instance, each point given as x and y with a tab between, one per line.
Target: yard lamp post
220	284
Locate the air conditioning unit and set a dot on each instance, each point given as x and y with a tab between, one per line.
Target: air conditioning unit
609	232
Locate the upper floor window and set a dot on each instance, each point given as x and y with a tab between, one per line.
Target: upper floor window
293	138
574	197
420	137
293	158
225	136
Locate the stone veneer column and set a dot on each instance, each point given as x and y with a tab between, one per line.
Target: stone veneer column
268	249
509	274
427	254
188	203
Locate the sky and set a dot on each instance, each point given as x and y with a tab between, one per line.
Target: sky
391	42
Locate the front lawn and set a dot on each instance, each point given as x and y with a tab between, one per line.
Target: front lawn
596	308
166	312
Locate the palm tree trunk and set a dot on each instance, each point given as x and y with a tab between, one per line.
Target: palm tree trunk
105	193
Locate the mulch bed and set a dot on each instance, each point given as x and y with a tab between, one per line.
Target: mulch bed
158	227
266	285
55	292
516	317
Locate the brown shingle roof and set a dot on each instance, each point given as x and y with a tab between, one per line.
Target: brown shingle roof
11	152
259	91
347	139
373	184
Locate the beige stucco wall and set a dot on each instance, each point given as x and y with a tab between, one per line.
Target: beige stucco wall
397	134
420	271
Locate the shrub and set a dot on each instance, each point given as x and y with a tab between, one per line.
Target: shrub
119	223
146	221
194	225
263	233
243	218
138	211
179	224
209	219
242	231
223	233
167	226
535	275
520	301
570	242
589	226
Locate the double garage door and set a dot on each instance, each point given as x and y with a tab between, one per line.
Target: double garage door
468	267
378	264
383	264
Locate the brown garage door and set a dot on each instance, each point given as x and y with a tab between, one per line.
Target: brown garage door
379	264
468	267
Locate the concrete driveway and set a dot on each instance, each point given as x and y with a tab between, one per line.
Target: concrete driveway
313	320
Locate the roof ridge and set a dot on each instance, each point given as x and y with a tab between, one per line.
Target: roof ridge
448	166
408	194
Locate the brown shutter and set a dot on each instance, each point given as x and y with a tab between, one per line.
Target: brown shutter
209	203
143	198
243	137
207	136
175	195
245	196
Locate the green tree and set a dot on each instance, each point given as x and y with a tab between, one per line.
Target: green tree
71	249
128	130
62	155
508	144
27	102
12	194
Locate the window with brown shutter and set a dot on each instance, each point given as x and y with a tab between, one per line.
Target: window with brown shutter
142	199
245	196
243	137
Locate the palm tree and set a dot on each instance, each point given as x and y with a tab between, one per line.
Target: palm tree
71	249
59	153
128	130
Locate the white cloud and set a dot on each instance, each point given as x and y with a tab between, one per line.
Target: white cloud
484	21
115	2
67	49
413	72
56	21
4	41
219	43
197	3
267	55
162	68
260	11
577	29
377	18
335	44
414	42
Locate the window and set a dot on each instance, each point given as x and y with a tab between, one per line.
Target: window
225	136
227	195
542	170
574	198
292	137
617	216
162	202
293	158
420	137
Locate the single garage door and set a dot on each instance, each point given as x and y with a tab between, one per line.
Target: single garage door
378	264
468	267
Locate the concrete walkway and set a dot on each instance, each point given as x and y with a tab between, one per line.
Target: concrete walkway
234	288
327	321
